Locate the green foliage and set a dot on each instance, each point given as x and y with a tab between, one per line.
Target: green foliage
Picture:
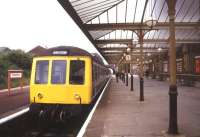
15	59
21	59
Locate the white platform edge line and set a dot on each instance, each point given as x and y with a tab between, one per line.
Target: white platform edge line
83	128
6	90
12	116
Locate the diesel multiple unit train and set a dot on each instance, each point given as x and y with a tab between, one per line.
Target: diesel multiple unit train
64	80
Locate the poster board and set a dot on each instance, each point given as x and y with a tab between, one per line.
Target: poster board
197	64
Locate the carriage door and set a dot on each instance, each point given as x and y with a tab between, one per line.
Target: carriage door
77	80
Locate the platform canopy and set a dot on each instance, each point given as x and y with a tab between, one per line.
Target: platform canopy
111	24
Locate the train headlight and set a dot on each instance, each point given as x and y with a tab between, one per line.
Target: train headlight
39	95
77	96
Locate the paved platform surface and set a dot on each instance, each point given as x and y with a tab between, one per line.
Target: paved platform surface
14	102
120	114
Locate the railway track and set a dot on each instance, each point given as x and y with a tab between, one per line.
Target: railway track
27	126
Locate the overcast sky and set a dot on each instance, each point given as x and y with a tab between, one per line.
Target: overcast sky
25	24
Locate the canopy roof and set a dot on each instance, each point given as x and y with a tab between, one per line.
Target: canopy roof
110	24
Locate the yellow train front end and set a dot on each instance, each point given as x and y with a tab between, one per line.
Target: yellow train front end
60	83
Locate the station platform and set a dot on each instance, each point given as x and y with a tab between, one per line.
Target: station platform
16	101
121	114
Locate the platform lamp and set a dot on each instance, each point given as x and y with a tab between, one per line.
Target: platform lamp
173	93
124	56
128	59
160	64
129	50
120	68
150	22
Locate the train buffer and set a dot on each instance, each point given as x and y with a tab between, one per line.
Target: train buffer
121	114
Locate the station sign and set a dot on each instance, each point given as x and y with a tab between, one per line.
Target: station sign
15	75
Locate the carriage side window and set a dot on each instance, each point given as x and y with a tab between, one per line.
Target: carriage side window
77	72
58	75
95	73
41	75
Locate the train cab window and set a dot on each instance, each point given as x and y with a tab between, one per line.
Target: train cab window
58	75
41	76
77	72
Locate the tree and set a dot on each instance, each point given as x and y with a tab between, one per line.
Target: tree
15	59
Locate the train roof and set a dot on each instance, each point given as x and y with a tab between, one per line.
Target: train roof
70	51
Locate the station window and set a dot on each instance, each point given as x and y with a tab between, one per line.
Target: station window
77	72
41	76
58	75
